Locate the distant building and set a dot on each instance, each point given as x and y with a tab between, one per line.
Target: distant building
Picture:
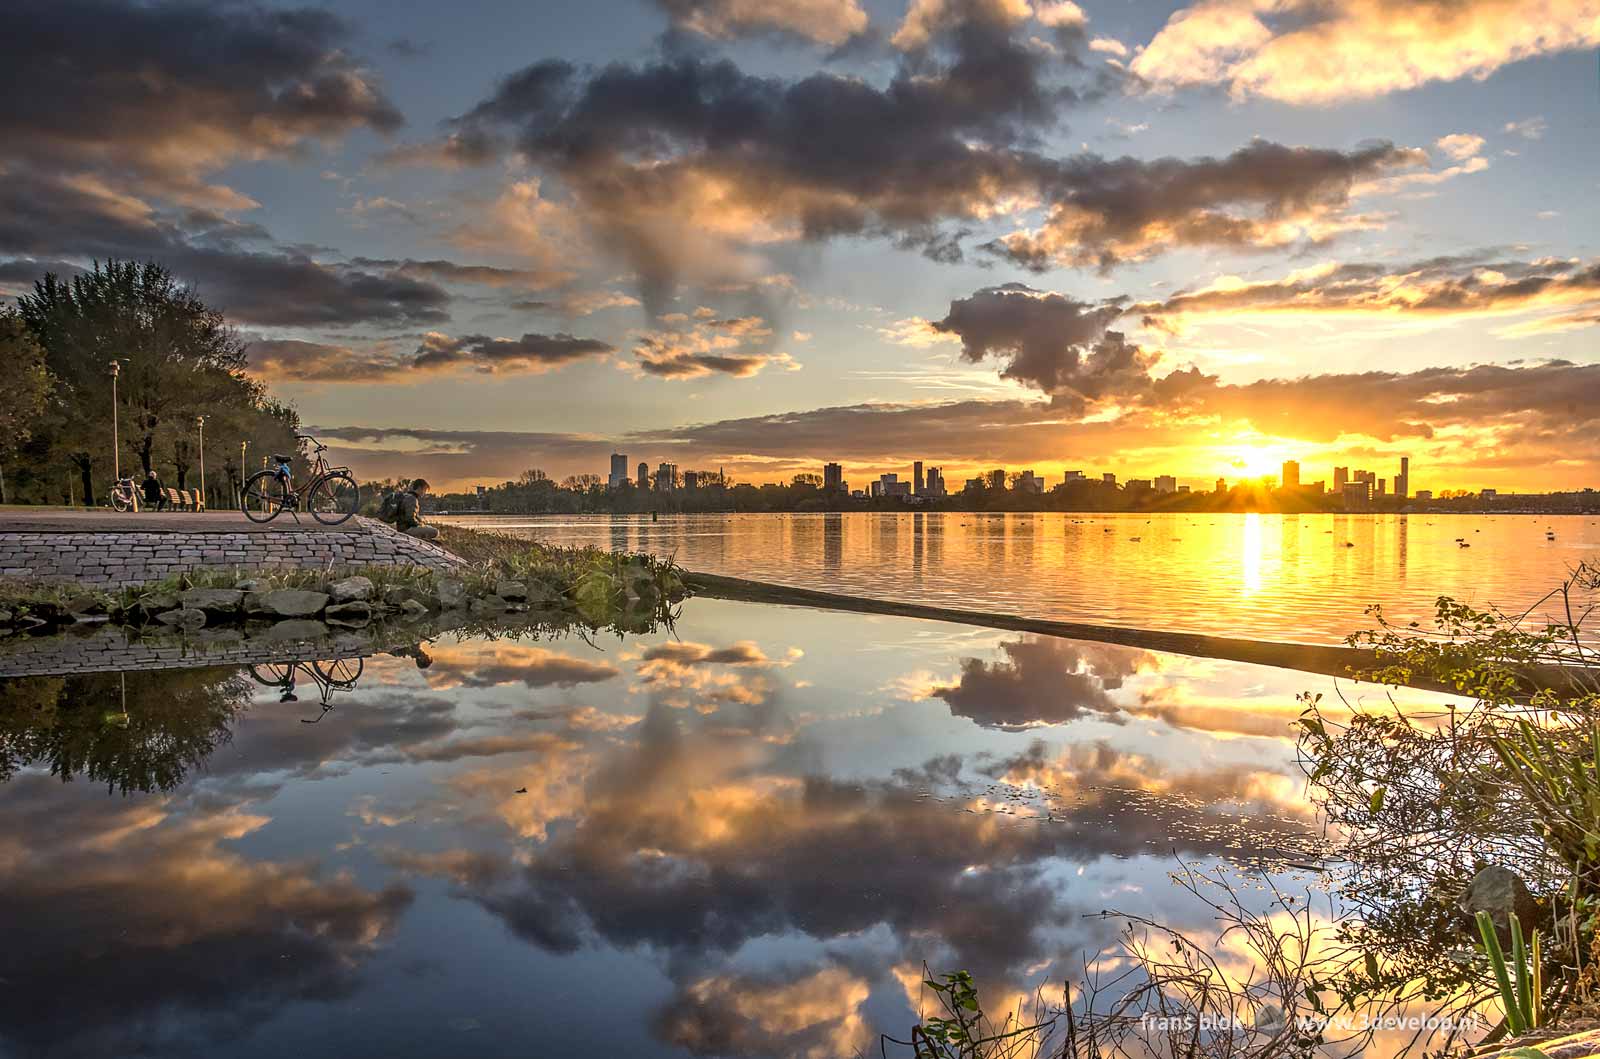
644	475
1183	489
1028	482
1108	478
1357	495
1341	475
1138	485
691	479
1166	483
916	478
890	485
976	485
1402	482
1222	486
1291	474
1075	476
1490	494
482	489
1424	495
997	479
619	471
1381	487
935	483
666	477
832	477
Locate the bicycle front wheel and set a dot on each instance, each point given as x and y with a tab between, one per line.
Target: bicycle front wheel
120	501
340	672
265	494
333	498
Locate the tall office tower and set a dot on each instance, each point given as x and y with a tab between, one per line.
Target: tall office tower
997	479
666	477
1222	485
1166	483
691	479
916	478
935	481
644	475
832	476
1341	477
619	470
1291	474
1402	482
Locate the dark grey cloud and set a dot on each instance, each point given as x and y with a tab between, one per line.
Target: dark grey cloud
1041	680
106	952
1264	196
1054	343
652	154
293	360
530	353
1444	287
157	94
225	262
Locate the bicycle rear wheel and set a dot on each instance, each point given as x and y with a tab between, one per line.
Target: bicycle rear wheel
121	501
265	494
333	498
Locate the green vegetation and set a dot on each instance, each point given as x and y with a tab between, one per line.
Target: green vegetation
1522	1002
178	360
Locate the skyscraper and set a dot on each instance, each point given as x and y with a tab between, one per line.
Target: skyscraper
619	470
935	481
832	477
1291	474
644	475
916	478
1166	483
1402	481
1341	477
997	479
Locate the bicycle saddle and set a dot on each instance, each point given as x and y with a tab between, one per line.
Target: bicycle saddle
280	458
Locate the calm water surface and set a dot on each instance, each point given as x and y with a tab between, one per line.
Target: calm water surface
1304	578
741	838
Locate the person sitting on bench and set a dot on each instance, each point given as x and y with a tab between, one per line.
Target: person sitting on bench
154	496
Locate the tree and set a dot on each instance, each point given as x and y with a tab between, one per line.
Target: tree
25	386
179	358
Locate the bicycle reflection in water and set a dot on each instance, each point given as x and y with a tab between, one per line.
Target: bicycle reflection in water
329	675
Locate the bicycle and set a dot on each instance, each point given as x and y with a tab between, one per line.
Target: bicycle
331	495
339	674
124	497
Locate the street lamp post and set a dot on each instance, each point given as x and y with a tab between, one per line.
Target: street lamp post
116	442
201	420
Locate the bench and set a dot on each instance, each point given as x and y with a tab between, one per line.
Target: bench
183	500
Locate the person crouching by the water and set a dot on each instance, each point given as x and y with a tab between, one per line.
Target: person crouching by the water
154	496
408	519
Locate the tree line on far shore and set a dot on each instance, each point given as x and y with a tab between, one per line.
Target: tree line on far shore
178	360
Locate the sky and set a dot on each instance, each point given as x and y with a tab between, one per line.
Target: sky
472	239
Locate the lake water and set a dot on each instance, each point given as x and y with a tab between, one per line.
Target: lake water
1304	578
741	837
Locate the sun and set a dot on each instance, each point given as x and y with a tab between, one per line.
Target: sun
1256	462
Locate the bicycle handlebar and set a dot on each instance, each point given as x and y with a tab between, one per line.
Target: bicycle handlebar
307	437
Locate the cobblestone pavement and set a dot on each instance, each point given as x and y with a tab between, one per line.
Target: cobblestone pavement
109	551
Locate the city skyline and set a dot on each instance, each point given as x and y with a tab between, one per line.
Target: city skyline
1176	237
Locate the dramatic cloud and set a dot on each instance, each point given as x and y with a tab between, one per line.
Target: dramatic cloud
223	259
155	95
830	22
704	345
1054	343
529	354
102	912
1264	196
1302	52
1042	680
687	168
292	360
1442	289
